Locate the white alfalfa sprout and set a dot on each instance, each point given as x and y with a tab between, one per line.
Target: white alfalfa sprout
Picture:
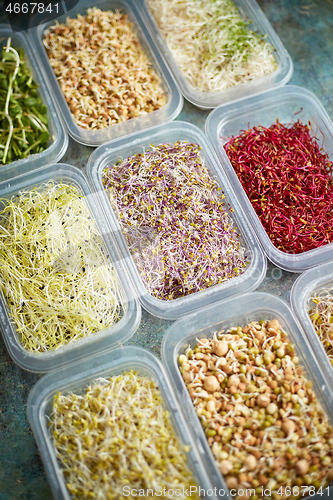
211	43
117	433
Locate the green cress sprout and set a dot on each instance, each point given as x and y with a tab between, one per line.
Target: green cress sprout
23	116
262	419
211	43
54	269
117	433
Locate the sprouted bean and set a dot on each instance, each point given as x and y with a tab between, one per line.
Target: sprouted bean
23	116
261	416
116	434
102	69
173	215
54	269
211	42
321	316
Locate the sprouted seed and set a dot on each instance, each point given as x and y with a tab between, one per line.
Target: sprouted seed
321	316
172	213
55	273
118	433
262	419
211	42
23	116
102	69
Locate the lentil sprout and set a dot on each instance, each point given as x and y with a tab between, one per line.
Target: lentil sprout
54	270
321	316
211	43
261	416
116	434
172	213
102	69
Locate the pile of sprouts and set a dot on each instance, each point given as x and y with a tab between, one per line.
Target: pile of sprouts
321	315
264	424
55	273
211	42
117	433
172	213
102	69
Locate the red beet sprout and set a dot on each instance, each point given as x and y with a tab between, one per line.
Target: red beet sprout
288	180
179	232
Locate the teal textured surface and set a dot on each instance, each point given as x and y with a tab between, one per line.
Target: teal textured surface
305	27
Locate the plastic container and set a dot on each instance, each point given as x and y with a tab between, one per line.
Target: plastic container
309	283
58	142
171	132
94	138
249	9
104	339
236	311
79	376
289	104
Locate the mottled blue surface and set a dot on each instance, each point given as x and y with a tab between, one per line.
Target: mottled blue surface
306	29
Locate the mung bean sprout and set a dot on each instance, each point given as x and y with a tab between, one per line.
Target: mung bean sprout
102	69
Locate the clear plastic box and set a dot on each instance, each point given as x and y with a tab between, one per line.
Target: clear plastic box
171	132
249	10
58	142
94	138
235	311
103	340
289	104
79	376
311	282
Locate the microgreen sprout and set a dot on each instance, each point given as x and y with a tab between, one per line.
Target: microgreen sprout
177	226
261	416
321	315
102	69
54	269
118	433
212	43
23	117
